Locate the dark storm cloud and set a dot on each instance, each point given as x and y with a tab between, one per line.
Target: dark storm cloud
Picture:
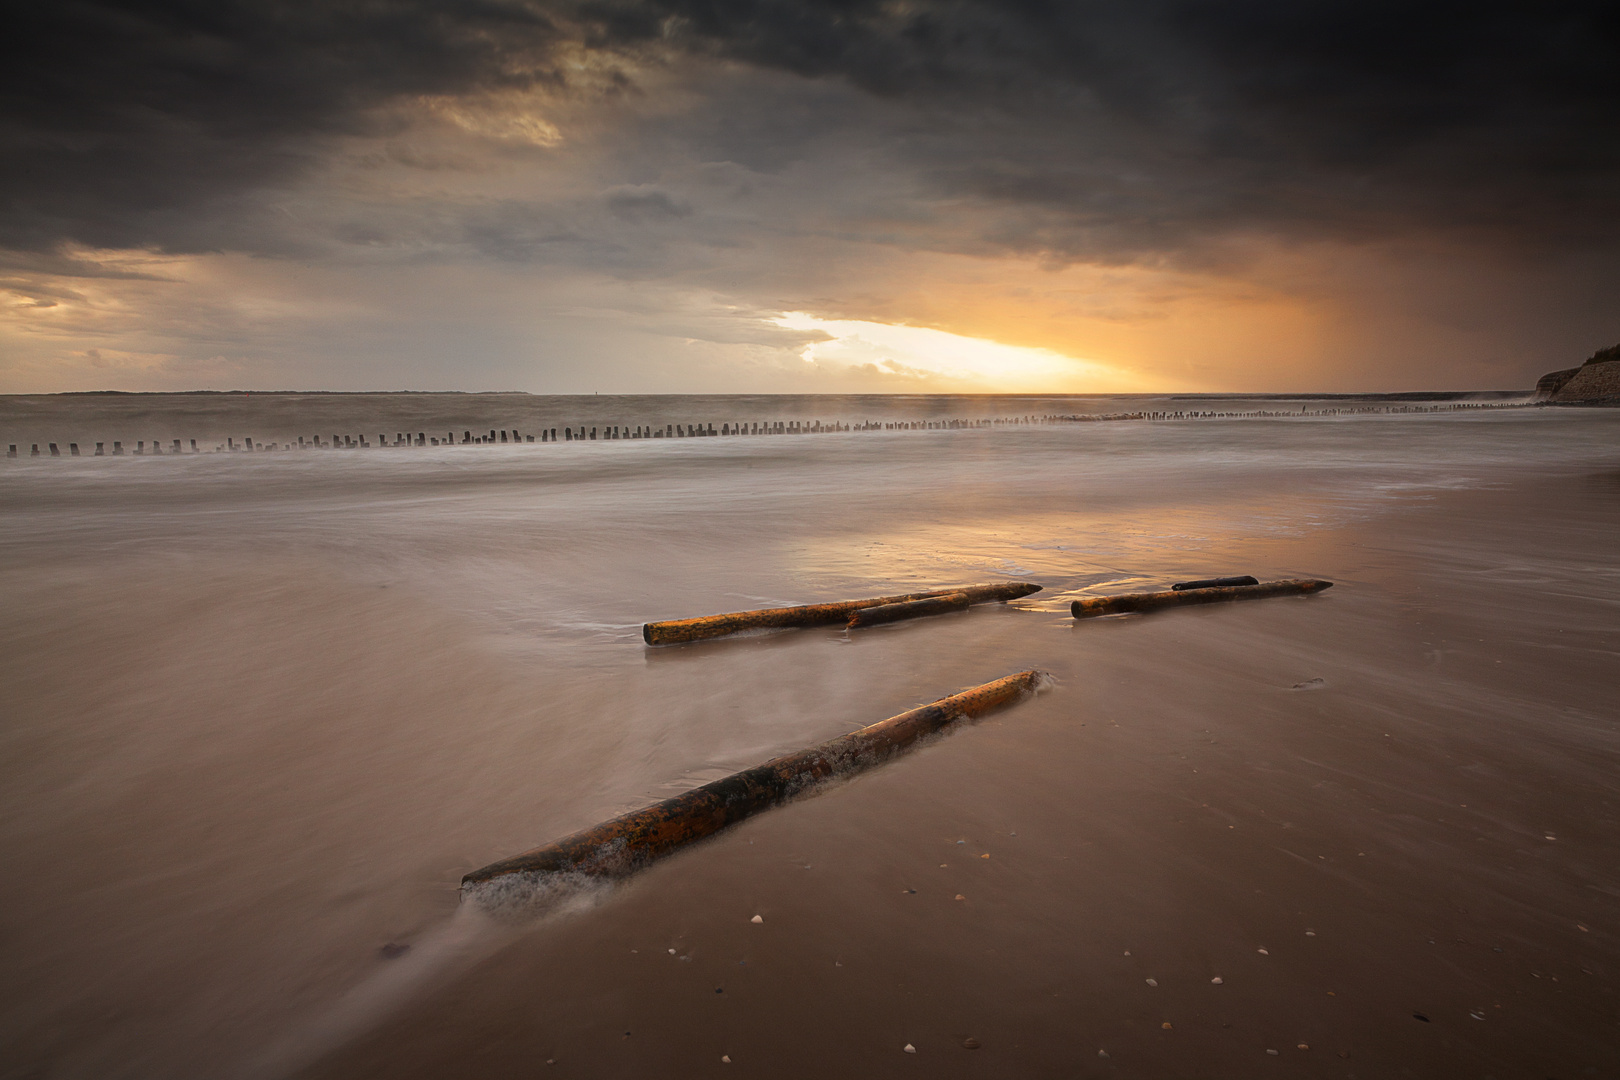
1075	129
122	123
1147	119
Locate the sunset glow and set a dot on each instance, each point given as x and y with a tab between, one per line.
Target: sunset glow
930	356
550	199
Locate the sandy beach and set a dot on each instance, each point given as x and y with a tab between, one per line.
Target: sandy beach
265	710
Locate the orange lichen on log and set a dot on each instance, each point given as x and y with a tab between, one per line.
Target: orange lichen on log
675	631
632	840
1113	605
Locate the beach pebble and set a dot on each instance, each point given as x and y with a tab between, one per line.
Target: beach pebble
1310	933
725	1059
909	1048
1304	1046
986	855
1263	952
551	1061
970	1044
1310	684
909	892
959	896
1216	980
1165	1025
1153	982
757	919
1102	1053
1273	1053
672	952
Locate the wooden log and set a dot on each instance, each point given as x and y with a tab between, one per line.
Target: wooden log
910	609
631	841
1215	583
1113	605
674	631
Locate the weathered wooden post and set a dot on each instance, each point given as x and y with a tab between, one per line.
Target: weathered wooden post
1215	583
1149	601
631	841
675	631
908	609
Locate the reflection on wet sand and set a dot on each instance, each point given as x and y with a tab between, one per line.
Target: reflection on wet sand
261	717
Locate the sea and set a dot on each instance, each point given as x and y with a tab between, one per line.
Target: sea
261	709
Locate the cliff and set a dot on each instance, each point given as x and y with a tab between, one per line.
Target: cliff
1596	380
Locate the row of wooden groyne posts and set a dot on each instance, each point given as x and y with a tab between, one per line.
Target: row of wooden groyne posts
511	436
608	432
631	841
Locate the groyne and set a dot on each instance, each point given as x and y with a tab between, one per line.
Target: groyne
571	434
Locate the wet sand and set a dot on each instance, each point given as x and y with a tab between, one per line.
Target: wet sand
1431	832
264	718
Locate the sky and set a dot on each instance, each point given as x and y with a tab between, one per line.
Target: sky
711	196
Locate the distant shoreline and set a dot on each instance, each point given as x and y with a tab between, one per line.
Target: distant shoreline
1400	395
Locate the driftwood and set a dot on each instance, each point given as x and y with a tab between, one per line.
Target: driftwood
632	840
1215	583
911	609
1113	605
675	631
